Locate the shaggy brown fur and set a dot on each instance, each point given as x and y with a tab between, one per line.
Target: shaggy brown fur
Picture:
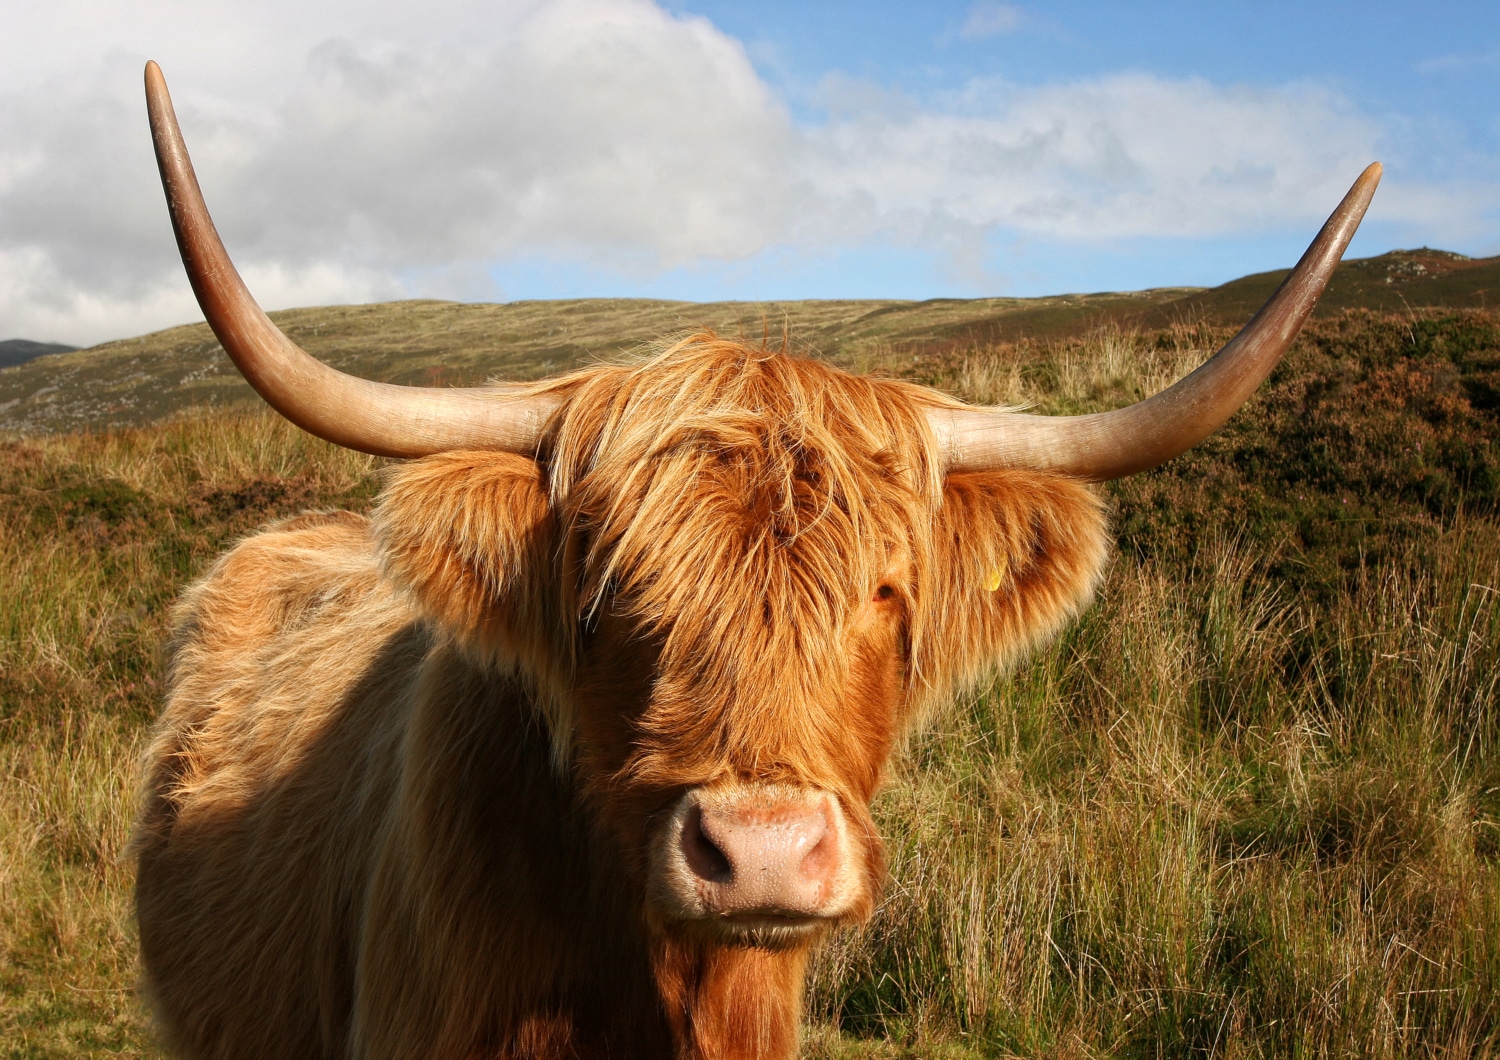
403	798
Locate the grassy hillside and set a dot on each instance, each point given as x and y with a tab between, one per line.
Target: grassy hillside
1398	282
146	379
1249	806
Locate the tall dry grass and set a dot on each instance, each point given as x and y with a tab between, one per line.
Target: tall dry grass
1111	365
1207	822
1250	805
96	534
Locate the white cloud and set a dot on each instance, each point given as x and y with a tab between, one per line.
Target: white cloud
597	127
347	157
1459	63
35	299
986	18
606	130
1116	157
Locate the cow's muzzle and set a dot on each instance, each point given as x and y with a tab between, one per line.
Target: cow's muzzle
757	859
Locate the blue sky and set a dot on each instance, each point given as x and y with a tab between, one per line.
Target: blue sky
359	150
1436	62
1432	56
1429	72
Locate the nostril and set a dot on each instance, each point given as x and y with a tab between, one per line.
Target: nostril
820	862
706	860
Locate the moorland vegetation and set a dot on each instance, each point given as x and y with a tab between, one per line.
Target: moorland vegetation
1248	806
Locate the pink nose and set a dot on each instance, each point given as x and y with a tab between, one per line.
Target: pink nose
751	859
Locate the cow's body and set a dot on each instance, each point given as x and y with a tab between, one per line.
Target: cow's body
303	880
409	793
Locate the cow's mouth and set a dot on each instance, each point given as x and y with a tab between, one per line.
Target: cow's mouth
770	930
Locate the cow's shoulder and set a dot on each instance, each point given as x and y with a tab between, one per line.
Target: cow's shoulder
278	580
278	637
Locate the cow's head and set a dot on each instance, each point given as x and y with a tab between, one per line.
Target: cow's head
734	577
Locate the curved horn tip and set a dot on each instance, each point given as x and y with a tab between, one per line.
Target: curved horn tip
1122	442
1364	188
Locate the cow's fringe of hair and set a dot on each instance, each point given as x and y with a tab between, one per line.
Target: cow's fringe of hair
715	483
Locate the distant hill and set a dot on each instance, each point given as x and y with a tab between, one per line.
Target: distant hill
19	351
139	380
1398	281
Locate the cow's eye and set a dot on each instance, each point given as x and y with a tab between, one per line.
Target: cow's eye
885	592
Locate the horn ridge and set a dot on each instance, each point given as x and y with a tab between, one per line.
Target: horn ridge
378	418
1110	445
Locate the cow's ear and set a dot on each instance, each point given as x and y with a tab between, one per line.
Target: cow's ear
473	537
1015	555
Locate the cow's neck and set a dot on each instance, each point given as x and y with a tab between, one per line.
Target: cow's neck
731	1002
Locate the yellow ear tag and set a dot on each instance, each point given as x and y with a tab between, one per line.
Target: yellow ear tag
994	579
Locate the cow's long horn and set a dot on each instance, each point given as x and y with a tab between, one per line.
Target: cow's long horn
1110	445
357	413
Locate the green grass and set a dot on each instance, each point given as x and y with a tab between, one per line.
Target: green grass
97	532
146	379
132	382
1249	806
1210	821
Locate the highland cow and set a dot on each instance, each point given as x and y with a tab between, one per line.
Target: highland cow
568	750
